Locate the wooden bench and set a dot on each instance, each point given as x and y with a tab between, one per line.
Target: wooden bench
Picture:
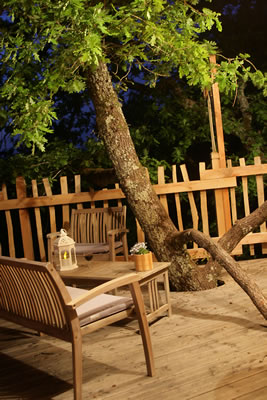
97	232
34	296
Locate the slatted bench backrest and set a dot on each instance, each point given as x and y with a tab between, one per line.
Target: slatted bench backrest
33	295
91	225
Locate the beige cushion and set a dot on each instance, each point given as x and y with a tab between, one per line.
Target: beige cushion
99	307
93	248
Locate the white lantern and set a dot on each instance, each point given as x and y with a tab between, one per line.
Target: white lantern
64	252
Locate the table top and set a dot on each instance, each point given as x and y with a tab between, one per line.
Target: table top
107	270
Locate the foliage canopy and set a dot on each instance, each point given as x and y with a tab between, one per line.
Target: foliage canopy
49	46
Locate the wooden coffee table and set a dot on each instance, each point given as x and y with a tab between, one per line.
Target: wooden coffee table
92	273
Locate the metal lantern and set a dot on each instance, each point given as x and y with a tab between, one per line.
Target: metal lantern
64	252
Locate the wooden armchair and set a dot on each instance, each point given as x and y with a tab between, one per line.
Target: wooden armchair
33	295
100	232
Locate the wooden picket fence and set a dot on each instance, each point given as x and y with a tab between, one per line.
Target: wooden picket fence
211	201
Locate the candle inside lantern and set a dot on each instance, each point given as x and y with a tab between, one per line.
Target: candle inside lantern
65	259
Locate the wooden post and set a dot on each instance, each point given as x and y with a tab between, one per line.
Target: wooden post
218	118
25	223
220	144
52	210
219	199
161	181
260	192
65	208
38	221
10	231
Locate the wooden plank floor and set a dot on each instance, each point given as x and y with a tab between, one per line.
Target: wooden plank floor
214	347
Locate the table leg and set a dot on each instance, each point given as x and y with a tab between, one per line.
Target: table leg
167	292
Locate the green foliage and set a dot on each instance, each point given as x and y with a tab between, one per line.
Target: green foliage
49	46
152	165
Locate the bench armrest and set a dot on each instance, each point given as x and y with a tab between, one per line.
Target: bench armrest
111	241
52	235
113	232
105	287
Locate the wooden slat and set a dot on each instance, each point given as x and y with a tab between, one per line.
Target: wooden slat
92	194
161	181
10	232
219	199
52	211
119	202
78	188
232	197
65	208
246	198
105	202
191	186
192	203
38	221
139	233
238	250
204	205
216	162
247	170
218	116
25	223
177	201
260	194
253	238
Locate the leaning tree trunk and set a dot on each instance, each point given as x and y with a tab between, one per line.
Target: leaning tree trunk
240	229
141	197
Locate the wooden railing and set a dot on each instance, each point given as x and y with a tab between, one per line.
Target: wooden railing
211	200
242	173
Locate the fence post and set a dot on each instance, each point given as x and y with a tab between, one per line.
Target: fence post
25	223
222	201
221	147
10	231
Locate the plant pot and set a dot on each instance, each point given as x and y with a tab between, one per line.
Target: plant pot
143	262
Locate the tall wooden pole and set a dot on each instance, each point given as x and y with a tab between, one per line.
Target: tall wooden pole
222	193
218	118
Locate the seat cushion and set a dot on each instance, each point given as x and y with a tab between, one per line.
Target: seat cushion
94	248
99	307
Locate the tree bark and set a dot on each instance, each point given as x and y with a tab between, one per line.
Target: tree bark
141	197
240	229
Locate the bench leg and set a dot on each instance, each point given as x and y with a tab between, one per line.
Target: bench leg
143	325
77	367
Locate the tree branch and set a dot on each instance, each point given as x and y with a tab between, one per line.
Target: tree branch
242	227
225	260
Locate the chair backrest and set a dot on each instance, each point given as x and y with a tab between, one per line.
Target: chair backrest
92	224
32	294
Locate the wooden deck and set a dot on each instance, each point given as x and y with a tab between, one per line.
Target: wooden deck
214	347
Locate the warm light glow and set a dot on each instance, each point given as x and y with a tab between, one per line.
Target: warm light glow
65	255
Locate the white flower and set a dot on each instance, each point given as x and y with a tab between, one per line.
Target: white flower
139	248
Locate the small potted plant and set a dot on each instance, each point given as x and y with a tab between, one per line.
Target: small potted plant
142	257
